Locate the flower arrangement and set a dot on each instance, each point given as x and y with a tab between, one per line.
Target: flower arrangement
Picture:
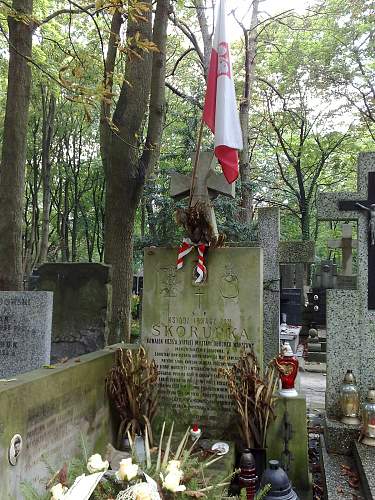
163	476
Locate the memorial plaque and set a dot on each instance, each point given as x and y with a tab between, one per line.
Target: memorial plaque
25	331
192	329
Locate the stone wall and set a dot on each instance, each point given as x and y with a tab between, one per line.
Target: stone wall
53	410
82	295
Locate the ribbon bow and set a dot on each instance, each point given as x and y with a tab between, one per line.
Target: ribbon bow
185	248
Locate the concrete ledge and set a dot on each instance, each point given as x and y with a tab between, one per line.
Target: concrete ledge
365	459
339	437
335	485
53	410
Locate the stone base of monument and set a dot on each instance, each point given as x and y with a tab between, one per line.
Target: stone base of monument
360	463
364	457
339	437
287	440
335	484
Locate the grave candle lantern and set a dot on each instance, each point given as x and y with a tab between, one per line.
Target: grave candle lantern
368	424
287	364
349	400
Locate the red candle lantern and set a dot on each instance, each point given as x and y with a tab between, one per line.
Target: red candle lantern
287	364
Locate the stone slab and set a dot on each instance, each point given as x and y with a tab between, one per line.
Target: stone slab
317	357
25	331
339	437
81	306
365	459
297	467
335	484
293	252
53	410
350	324
344	340
269	236
190	330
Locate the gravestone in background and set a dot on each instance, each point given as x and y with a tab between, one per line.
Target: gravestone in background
275	253
25	331
190	329
351	313
81	306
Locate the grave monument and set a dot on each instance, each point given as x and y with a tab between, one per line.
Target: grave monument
192	328
25	331
351	313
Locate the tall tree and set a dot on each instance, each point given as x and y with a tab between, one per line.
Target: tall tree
128	163
12	170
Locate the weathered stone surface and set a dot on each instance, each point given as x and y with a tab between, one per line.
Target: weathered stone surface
333	479
296	251
81	309
365	460
269	236
53	410
297	467
25	331
339	437
350	324
276	253
190	329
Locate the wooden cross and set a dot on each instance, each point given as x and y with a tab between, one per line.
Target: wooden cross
208	185
354	206
346	243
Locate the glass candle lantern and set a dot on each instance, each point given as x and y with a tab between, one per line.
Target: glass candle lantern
349	400
368	424
287	365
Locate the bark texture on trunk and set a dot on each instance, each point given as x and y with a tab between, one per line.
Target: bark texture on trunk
12	169
48	107
127	166
250	36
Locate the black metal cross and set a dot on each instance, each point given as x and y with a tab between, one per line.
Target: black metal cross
355	205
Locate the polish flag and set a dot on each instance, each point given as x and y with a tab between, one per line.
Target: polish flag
220	108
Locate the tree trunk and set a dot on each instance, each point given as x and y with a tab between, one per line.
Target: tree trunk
246	201
12	170
126	172
48	107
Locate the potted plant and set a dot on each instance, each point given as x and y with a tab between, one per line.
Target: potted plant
254	396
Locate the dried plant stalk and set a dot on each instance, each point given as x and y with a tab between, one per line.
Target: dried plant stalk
132	385
253	395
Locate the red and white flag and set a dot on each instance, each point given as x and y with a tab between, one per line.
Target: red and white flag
220	108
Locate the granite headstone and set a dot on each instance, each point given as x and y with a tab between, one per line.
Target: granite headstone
25	331
350	319
191	329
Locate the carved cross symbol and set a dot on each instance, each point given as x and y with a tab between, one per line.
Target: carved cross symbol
208	185
346	243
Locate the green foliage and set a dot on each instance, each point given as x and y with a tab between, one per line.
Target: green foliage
314	74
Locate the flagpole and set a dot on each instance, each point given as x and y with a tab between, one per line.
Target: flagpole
196	161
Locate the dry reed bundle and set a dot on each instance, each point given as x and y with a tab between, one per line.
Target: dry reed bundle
254	396
132	385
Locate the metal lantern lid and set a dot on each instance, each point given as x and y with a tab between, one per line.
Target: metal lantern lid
371	395
247	460
349	377
281	489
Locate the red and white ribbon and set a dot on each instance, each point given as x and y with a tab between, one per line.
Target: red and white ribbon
186	247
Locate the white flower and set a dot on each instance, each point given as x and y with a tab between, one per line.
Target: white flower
142	491
127	470
58	492
173	465
96	464
172	480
